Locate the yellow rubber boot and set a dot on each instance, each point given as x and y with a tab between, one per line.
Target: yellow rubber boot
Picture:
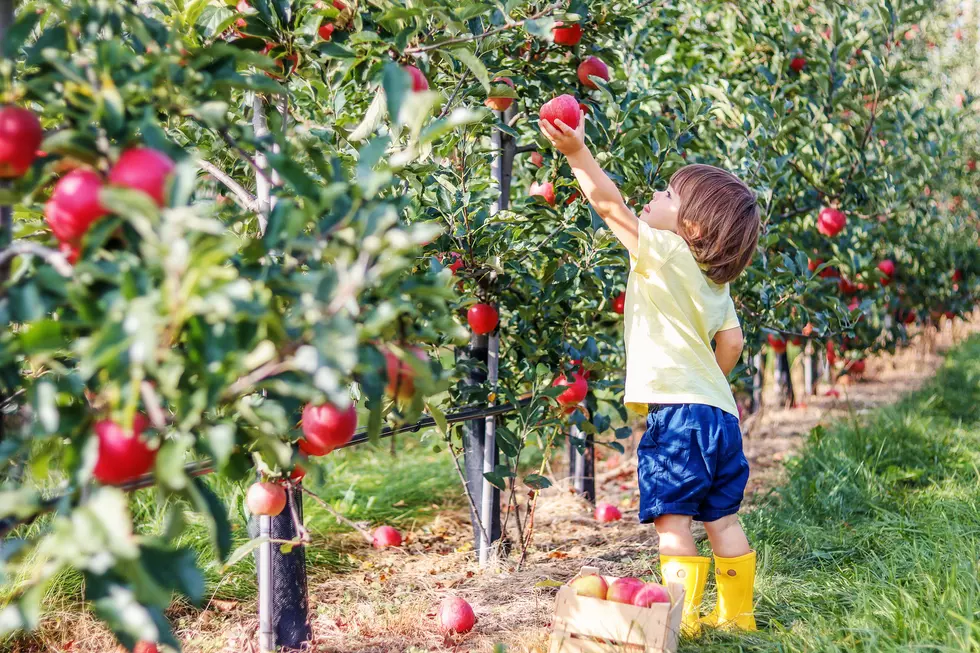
735	578
692	572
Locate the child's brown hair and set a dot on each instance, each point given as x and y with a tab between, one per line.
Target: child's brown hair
719	219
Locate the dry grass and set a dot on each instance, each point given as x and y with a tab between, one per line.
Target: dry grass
388	602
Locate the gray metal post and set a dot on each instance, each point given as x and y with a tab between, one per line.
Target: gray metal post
582	464
758	379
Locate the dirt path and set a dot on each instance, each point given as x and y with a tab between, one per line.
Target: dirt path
388	604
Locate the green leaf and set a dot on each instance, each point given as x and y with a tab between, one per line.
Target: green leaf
537	482
474	64
131	622
16	35
209	505
174	569
244	550
396	83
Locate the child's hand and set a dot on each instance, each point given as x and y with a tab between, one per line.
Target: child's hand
566	140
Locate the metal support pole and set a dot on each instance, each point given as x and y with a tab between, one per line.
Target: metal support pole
758	379
267	639
490	495
582	464
475	455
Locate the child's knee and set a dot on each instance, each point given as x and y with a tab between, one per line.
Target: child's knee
672	524
724	524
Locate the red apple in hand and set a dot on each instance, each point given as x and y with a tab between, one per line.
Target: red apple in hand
594	67
74	205
622	590
831	222
122	455
651	593
455	616
143	169
567	34
482	318
419	82
265	499
385	536
327	427
20	136
591	585
545	190
607	512
564	108
500	103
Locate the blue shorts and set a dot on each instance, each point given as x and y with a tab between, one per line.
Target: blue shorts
691	463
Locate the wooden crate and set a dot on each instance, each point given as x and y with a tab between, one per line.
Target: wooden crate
583	624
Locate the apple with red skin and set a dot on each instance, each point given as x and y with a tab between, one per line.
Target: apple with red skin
651	593
419	82
797	64
122	456
778	344
567	34
846	286
327	427
326	31
297	474
856	366
457	261
500	103
281	62
619	303
827	272
385	536
20	136
71	251
455	616
537	159
545	190
971	165
909	317
592	67
887	268
590	585
576	390
565	108
265	499
74	205
831	221
143	169
482	318
622	590
607	512
146	647
957	276
401	376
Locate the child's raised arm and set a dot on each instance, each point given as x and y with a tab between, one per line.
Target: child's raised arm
598	188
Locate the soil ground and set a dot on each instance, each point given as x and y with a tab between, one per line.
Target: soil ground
388	601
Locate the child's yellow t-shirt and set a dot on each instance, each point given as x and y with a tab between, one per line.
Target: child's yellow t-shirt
673	311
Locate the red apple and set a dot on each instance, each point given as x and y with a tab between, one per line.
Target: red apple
797	64
546	190
122	456
957	276
326	427
456	261
338	5
827	272
909	317
971	165
887	268
622	590
536	159
297	474
455	616
20	136
146	647
564	108
576	391
808	329
567	34
144	169
651	593
265	499
595	67
619	303
401	376
482	318
591	585
326	31
419	82
856	366
500	103
778	344
606	512
74	205
386	536
846	286
830	221
71	251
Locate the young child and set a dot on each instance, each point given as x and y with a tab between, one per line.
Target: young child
687	243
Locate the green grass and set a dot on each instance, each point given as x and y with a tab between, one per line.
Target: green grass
873	543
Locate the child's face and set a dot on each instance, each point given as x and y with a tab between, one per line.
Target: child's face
661	212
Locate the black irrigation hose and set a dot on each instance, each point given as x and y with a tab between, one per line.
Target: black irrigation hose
205	467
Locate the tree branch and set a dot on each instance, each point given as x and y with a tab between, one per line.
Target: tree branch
244	199
54	258
475	37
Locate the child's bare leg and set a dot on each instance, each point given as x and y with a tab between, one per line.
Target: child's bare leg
726	536
675	535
